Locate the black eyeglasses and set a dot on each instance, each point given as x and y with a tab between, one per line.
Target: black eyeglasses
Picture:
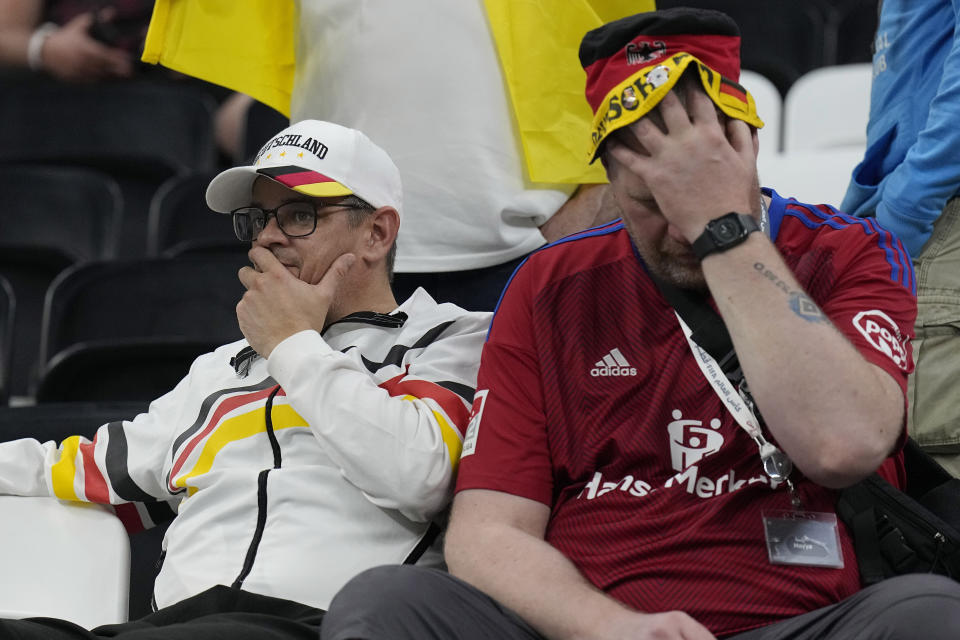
295	219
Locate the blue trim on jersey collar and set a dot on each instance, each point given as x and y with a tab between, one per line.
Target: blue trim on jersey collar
604	229
901	267
774	212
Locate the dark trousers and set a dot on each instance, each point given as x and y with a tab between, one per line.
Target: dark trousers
220	613
412	603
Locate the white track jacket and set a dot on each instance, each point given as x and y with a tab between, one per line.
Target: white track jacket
329	458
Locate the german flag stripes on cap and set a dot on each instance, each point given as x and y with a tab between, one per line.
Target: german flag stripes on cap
310	183
318	159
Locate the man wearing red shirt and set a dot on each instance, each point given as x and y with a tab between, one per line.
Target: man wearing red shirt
613	482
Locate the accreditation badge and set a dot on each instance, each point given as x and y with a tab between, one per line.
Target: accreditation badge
802	538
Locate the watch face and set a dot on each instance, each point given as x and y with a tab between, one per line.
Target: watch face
723	233
726	230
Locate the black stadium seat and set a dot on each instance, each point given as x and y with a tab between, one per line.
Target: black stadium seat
140	132
118	369
120	121
73	210
52	218
104	322
8	305
180	221
61	420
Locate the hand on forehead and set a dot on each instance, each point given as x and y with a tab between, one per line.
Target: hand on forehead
686	97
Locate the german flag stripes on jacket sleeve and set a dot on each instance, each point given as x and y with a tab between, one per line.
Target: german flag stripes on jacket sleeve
387	405
293	474
393	420
121	466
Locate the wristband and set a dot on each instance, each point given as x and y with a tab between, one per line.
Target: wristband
35	45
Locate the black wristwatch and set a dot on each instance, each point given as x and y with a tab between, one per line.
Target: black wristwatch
723	233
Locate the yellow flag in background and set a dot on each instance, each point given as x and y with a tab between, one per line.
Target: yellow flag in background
249	46
538	42
244	45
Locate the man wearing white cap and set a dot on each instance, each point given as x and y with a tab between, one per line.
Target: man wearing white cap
323	444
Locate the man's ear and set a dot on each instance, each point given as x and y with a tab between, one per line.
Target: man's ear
382	231
755	136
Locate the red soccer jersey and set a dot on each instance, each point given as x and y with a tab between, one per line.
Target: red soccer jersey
590	401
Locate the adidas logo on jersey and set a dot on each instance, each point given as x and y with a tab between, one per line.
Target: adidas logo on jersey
613	364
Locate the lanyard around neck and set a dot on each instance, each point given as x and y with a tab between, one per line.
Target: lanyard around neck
775	462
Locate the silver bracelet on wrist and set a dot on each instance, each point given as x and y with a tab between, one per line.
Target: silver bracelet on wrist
35	45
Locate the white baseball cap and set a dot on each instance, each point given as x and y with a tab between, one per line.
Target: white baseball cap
318	159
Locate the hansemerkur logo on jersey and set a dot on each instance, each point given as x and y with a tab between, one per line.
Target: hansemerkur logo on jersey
633	62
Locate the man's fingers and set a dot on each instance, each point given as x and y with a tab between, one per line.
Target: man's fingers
247	277
115	61
648	134
701	107
738	133
629	158
264	261
675	117
106	60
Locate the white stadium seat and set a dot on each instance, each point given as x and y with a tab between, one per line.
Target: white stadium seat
769	108
828	108
814	177
69	561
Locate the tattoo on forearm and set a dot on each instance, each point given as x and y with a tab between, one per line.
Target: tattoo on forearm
800	303
772	277
803	306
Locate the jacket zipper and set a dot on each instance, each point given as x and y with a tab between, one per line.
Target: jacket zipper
261	494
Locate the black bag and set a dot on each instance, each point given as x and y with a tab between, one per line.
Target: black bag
896	532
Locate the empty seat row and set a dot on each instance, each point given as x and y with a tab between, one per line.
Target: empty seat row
128	330
815	177
77	213
827	108
58	216
140	133
125	330
814	138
